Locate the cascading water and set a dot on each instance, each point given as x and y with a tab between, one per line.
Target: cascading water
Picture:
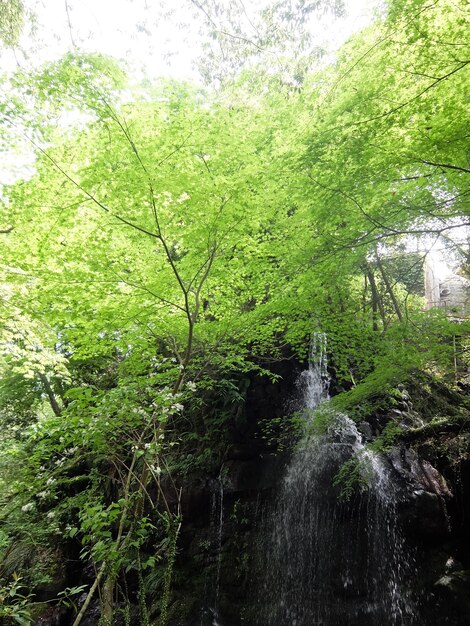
218	510
326	562
210	614
314	382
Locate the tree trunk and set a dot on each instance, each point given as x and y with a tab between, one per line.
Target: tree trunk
377	304
389	288
50	394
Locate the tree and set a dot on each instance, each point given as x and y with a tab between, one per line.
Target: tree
11	21
172	242
275	39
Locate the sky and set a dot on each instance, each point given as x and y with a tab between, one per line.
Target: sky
156	37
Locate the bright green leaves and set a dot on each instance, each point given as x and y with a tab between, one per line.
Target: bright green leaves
87	79
179	186
393	112
171	243
11	21
28	348
281	198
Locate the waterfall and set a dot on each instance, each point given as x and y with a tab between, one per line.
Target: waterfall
324	561
210	612
219	523
314	382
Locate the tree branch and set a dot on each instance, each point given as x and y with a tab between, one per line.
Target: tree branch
447	166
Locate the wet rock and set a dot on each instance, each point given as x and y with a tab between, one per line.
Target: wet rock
434	480
366	431
53	616
403	391
424	516
405	416
195	501
92	616
88	573
417	472
454	591
455	582
452	565
425	493
256	475
242	451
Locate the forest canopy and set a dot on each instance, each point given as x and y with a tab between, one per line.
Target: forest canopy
170	238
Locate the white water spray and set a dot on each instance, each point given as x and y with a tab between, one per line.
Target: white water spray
327	562
314	382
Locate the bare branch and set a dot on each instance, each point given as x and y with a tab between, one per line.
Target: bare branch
67	10
447	166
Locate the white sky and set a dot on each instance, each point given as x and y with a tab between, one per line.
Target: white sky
148	34
144	34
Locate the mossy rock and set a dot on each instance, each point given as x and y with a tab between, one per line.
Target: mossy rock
184	610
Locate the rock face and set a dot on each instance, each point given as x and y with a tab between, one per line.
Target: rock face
423	511
222	581
220	527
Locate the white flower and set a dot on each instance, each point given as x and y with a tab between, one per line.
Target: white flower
50	481
43	494
158	470
50	515
183	197
178	407
27	507
191	385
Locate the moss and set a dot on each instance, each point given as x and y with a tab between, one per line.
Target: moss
182	609
383	390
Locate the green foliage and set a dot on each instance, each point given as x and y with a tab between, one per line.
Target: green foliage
282	433
68	596
14	604
11	21
277	33
387	438
173	241
423	341
353	476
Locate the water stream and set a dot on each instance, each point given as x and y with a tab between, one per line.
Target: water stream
210	612
218	512
324	561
